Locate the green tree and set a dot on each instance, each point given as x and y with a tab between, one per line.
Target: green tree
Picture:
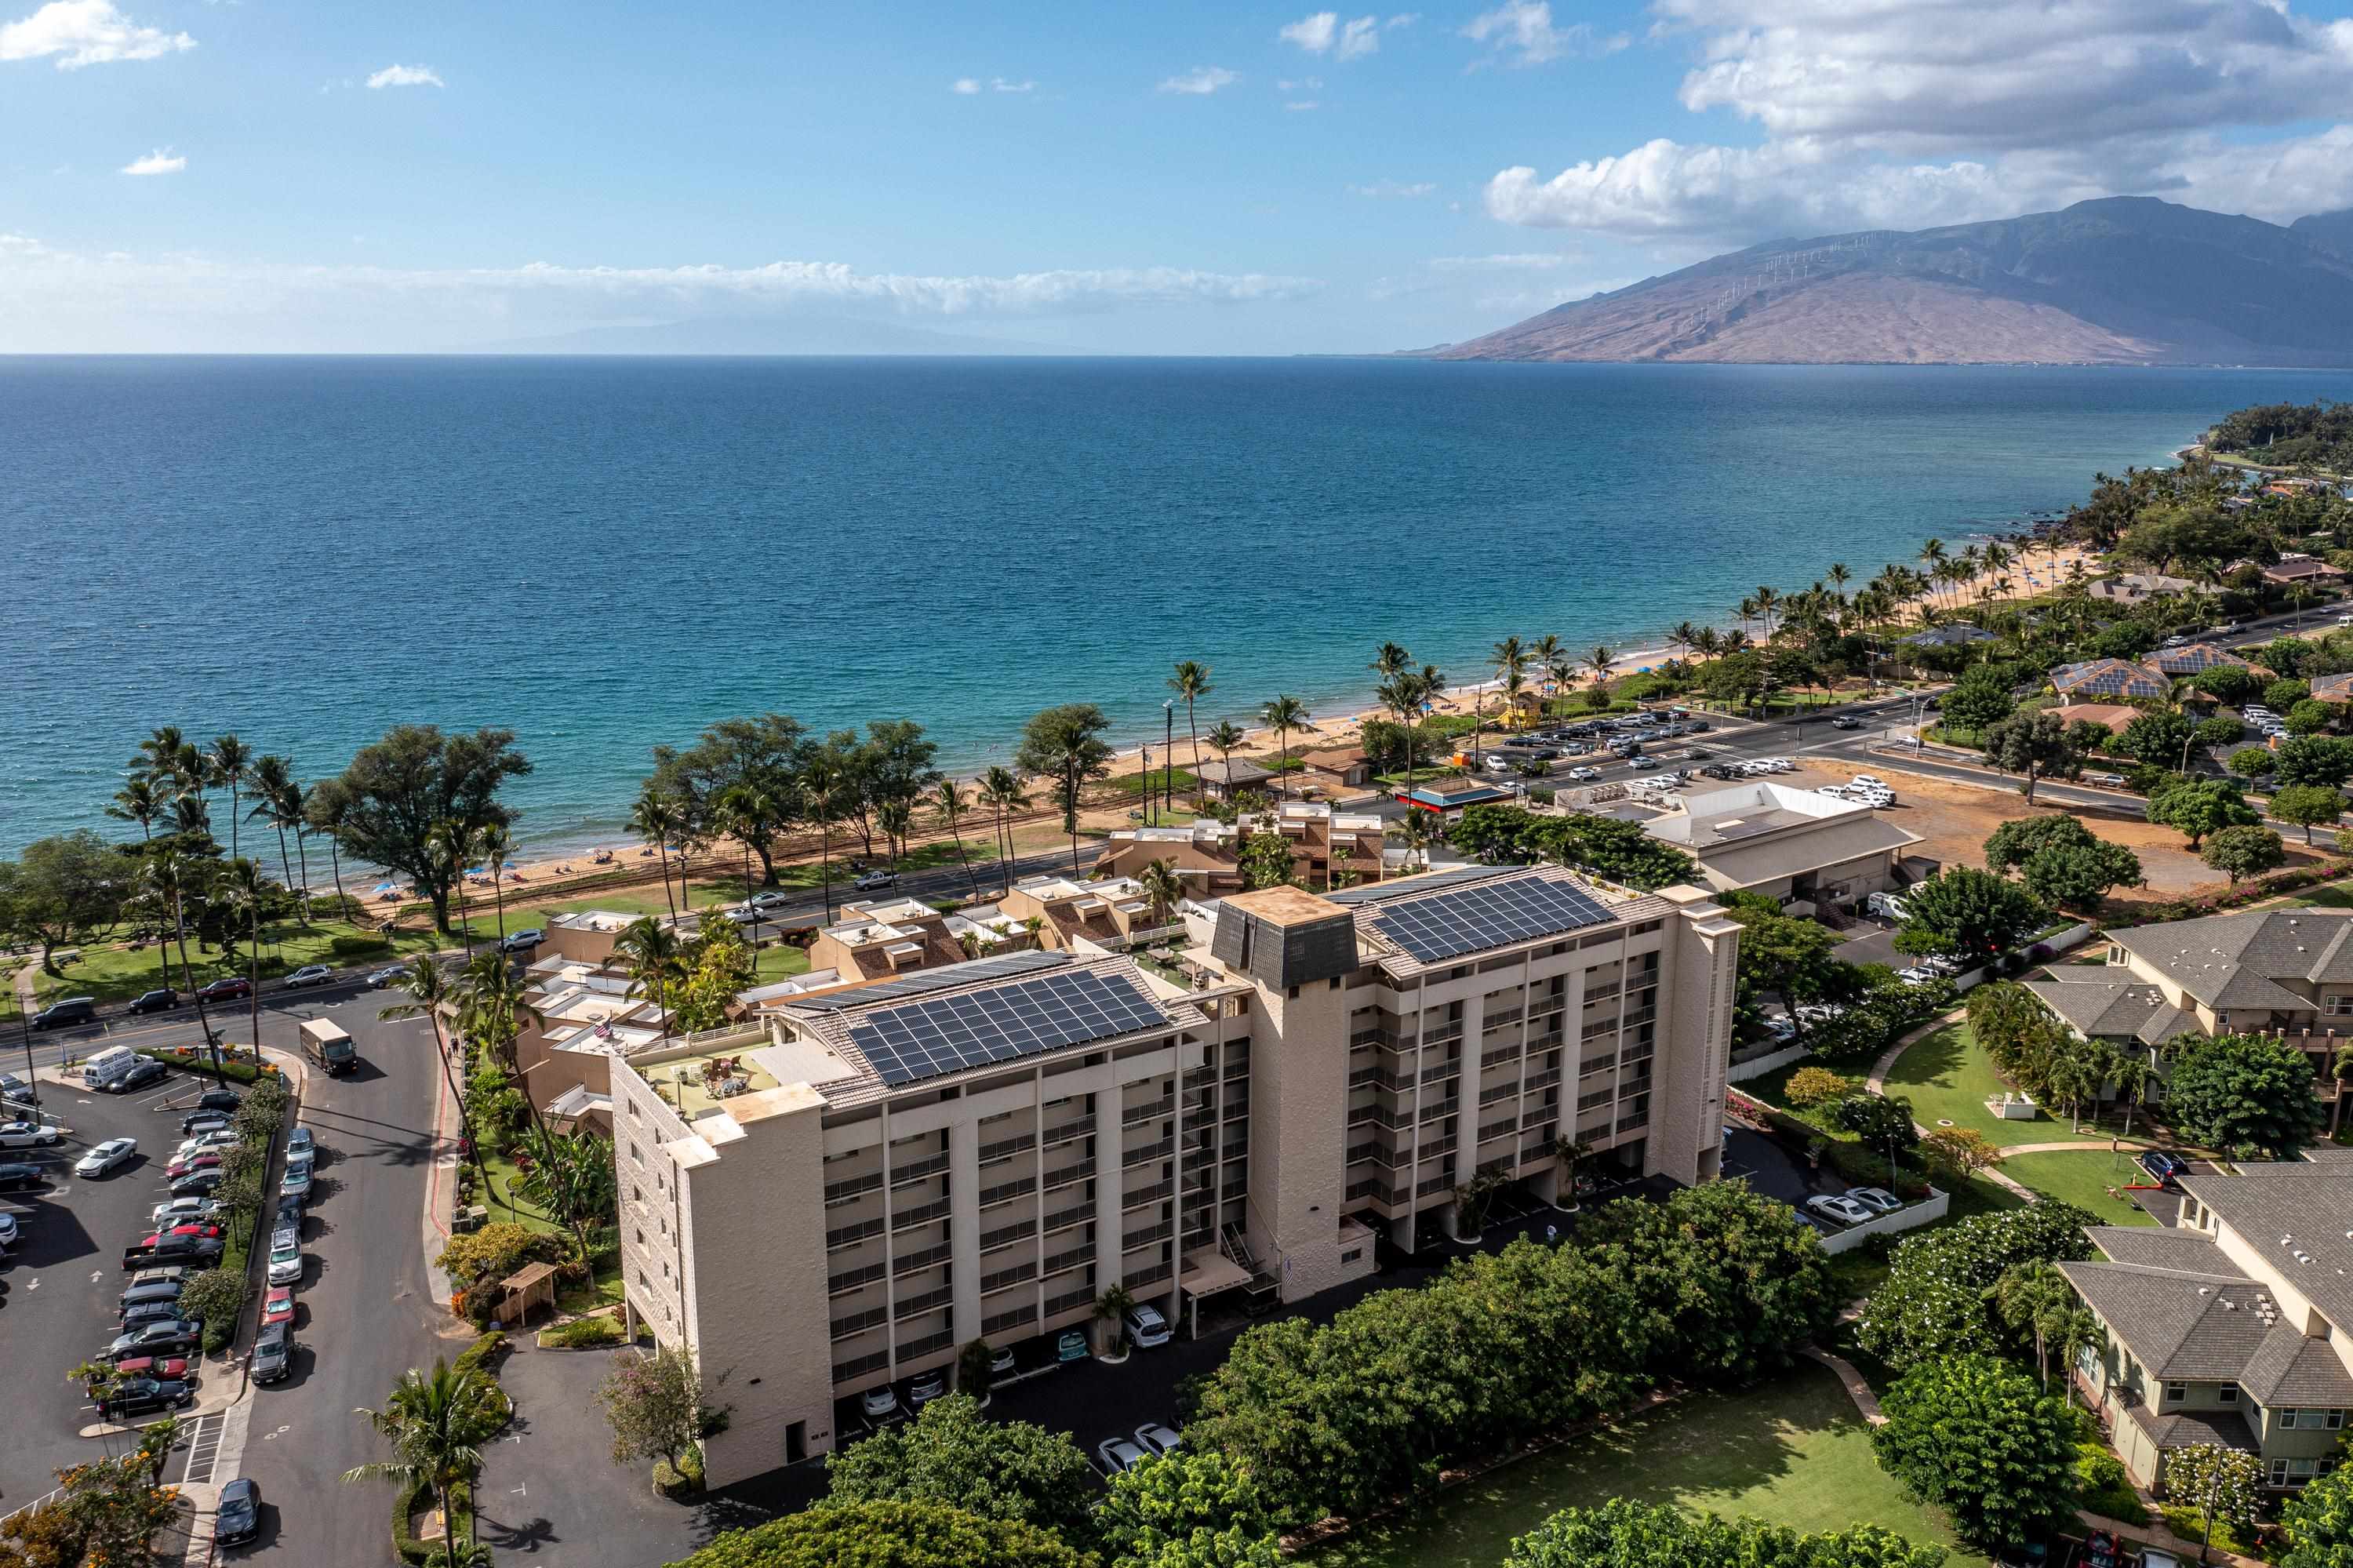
2314	760
1265	860
1191	683
2034	1298
437	1423
1881	1124
950	1454
1934	1303
1189	1509
2225	1485
1970	915
2227	683
653	1402
1780	953
2031	744
432	997
1065	744
1973	1436
763	756
398	791
2195	807
2320	1522
2285	693
1979	702
2308	717
1620	852
1498	835
572	1176
2252	761
2243	1092
2219	731
2246	850
2079	877
63	891
2307	806
1624	1533
2158	739
887	1535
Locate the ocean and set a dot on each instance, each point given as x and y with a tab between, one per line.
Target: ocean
605	554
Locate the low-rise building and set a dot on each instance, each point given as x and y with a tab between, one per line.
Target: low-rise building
587	936
2132	588
875	938
880	1174
2231	1327
2112	717
1952	634
2309	571
2110	678
1326	842
1800	847
1448	798
581	1016
1222	780
1108	914
1338	768
2196	659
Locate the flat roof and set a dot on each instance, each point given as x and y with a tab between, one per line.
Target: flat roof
1285	906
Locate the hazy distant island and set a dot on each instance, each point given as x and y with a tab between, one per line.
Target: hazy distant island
2123	280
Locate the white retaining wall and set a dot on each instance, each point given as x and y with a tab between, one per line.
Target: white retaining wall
1772	1061
1927	1212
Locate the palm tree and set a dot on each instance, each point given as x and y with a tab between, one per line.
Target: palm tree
2134	1075
1768	600
229	763
742	812
327	806
1282	715
493	843
171	874
1548	653
426	985
1162	891
247	891
1412	831
821	780
1226	738
289	807
453	844
650	953
1113	1306
948	796
270	773
1191	683
655	819
1001	790
1839	576
436	1425
137	801
1509	659
1599	661
2034	1297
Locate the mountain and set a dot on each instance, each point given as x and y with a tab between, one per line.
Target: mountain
761	335
2122	281
2333	229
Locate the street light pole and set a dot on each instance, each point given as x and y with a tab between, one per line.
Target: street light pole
1167	758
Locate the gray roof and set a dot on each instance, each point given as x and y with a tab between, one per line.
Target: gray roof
2234	961
1958	634
2191	1428
2201	1326
1230	773
2191	1252
2113	1009
2296	1215
2292	1368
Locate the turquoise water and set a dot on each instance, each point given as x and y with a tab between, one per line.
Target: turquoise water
605	554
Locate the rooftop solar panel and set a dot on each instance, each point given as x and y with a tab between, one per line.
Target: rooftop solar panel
926	981
1421	881
1045	1011
1480	916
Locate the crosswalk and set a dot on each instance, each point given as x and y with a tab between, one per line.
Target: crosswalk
204	1440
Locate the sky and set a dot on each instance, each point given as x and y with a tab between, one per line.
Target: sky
1212	178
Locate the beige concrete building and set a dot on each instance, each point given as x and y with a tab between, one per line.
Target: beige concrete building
1800	847
876	938
1207	855
879	1174
587	936
1108	913
2234	1326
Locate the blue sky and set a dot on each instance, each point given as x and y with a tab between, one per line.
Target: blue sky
1209	178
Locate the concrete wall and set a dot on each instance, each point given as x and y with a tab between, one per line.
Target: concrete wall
1695	1000
1771	1061
1298	1095
1910	1217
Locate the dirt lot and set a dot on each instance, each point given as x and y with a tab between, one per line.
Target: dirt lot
1954	821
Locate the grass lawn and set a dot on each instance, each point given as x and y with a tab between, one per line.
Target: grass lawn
1948	1077
115	973
781	960
2082	1180
1792	1451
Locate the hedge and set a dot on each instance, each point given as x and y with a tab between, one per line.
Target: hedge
191	1059
354	947
426	1553
582	1333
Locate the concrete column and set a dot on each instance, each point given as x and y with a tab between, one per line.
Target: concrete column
963	1225
1465	1158
1108	1179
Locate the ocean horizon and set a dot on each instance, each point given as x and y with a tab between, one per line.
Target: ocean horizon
606	554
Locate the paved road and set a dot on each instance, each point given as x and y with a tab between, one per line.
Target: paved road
365	1313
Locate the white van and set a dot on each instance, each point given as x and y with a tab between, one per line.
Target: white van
1886	906
108	1065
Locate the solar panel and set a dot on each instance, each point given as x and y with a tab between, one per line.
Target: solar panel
1486	915
928	980
1419	881
941	1035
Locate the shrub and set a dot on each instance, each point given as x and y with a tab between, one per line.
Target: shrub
352	947
2102	1487
602	1328
1933	1302
1974	1436
1811	1086
888	1535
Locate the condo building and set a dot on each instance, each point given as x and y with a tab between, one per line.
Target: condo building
879	1174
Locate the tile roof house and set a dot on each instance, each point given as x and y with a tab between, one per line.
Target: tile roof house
1206	855
2196	658
2110	678
1221	780
2234	1326
2134	587
2333	688
2301	569
1338	768
1954	634
2115	715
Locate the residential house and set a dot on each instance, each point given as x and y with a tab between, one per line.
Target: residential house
1106	914
2110	678
1798	847
2196	658
2114	715
876	938
1340	768
1952	634
2309	571
1222	780
2232	1326
582	1016
2333	688
585	937
2133	587
1206	855
875	1176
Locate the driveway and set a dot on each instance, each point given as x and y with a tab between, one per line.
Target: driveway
1871	945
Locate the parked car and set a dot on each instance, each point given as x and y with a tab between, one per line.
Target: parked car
218	1100
27	1135
2165	1169
1917	974
180	1210
160	1309
15	1178
209	1137
1583	774
286	1258
189	1164
237	1518
1846	1210
273	1352
878	1403
307	976
278	1307
197	1184
139	1075
390	975
1157	1440
228	988
8	1231
169	1367
138	1395
171	1272
1070	1345
162	998
1119	1454
296	1182
198	1122
1001	1363
1879	1200
300	1144
289	1212
170	1338
1146	1328
774	898
66	1012
184	1230
925	1387
873	880
523	941
102	1158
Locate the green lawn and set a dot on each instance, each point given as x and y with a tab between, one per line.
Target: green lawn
1949	1078
115	973
781	960
2082	1180
1792	1451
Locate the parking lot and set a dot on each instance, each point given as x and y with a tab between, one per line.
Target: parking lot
63	1277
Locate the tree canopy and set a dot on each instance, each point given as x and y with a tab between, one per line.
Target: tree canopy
953	1456
1624	1534
2243	1092
2196	808
400	793
1966	913
888	1535
1975	1437
63	890
1935	1301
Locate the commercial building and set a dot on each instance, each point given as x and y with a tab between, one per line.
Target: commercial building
1800	847
2231	1327
881	1174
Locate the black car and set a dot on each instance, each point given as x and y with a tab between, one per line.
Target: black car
220	1100
65	1014
2165	1169
137	1396
177	1337
145	1070
238	1520
197	1184
273	1352
140	1313
16	1178
1697	726
157	1001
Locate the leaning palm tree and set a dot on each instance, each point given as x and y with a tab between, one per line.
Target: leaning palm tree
948	797
655	819
1162	891
228	765
822	784
437	1423
1001	791
1508	659
427	986
493	843
270	773
327	808
452	843
289	809
137	801
1191	683
743	811
1282	715
653	958
174	877
246	891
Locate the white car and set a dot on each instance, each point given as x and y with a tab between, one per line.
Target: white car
1917	975
219	1138
1584	774
1157	1440
878	1403
1120	1454
1878	1199
1836	791
1846	1210
285	1258
1866	782
105	1156
1780	765
182	1212
1148	1329
27	1135
8	1230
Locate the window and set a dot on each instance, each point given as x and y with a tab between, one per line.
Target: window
2228	1394
2337	1006
634	1154
2279	1472
2302	1470
2174	1393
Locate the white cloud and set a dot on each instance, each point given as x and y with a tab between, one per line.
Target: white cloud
406	75
1403	19
1314	33
1358	38
162	161
1325	32
1305	84
1393	188
966	85
1201	81
1516	261
1522	31
998	84
86	33
1299	106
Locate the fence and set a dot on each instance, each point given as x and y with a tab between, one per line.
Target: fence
1771	1061
1911	1216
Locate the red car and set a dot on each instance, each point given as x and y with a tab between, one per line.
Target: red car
205	1160
227	988
201	1231
278	1307
175	1368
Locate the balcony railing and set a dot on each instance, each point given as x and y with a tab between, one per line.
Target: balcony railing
992	1283
930	1165
859	1322
845	1235
850	1187
1136	1115
1065	1218
1007	1147
1066	1175
1011	1317
917	1261
1004	1191
923	1214
910	1349
927	1301
851	1279
1148	1152
1005	1235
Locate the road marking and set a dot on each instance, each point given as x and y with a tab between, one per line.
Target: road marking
96	1274
32	1283
521	1491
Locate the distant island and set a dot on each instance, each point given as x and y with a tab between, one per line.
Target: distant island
2121	280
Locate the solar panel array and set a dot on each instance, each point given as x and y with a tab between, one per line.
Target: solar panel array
1419	881
951	1032
926	981
1486	915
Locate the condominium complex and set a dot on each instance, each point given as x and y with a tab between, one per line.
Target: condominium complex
881	1174
1329	845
